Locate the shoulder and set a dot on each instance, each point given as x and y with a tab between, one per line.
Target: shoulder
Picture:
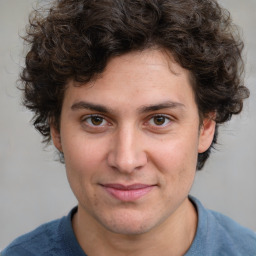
217	234
36	242
52	239
231	235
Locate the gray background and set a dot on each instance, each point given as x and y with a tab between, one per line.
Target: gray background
33	186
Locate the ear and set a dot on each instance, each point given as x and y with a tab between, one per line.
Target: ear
56	138
207	131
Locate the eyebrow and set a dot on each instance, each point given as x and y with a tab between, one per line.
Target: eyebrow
143	109
90	106
164	105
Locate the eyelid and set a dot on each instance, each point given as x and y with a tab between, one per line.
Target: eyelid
84	118
108	122
161	115
168	117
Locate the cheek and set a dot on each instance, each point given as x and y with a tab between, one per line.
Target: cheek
82	154
82	165
175	155
83	161
176	161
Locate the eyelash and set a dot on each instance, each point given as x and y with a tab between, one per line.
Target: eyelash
86	119
166	119
89	117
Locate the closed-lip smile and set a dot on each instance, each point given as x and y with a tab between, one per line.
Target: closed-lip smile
127	193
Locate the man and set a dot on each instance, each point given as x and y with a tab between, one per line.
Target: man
131	93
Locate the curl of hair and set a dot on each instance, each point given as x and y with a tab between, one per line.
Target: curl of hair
74	39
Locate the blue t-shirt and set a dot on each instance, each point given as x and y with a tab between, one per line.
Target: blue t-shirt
216	235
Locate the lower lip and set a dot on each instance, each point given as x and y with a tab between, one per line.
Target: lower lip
129	194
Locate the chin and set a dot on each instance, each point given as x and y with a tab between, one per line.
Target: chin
128	230
128	224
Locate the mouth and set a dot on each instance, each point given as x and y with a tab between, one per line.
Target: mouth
127	193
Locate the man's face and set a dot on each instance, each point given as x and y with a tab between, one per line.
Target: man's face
130	141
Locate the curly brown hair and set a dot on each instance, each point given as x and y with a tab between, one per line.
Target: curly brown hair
74	39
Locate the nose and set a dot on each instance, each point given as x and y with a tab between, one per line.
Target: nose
127	152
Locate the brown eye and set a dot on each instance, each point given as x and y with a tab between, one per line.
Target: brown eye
95	121
159	120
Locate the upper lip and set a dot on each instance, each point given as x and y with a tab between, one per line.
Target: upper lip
127	187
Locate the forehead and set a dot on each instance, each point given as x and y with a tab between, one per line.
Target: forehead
136	78
150	64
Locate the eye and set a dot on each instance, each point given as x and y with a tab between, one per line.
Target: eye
95	120
159	120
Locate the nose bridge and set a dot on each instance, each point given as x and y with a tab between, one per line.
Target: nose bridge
127	153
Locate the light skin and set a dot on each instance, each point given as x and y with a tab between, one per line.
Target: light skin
130	140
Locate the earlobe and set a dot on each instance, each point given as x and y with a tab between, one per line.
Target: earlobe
206	135
56	138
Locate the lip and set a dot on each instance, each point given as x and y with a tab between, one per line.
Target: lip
128	193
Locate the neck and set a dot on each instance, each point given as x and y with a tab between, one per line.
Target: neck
173	237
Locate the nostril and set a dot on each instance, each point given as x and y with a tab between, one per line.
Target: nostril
127	163
126	153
